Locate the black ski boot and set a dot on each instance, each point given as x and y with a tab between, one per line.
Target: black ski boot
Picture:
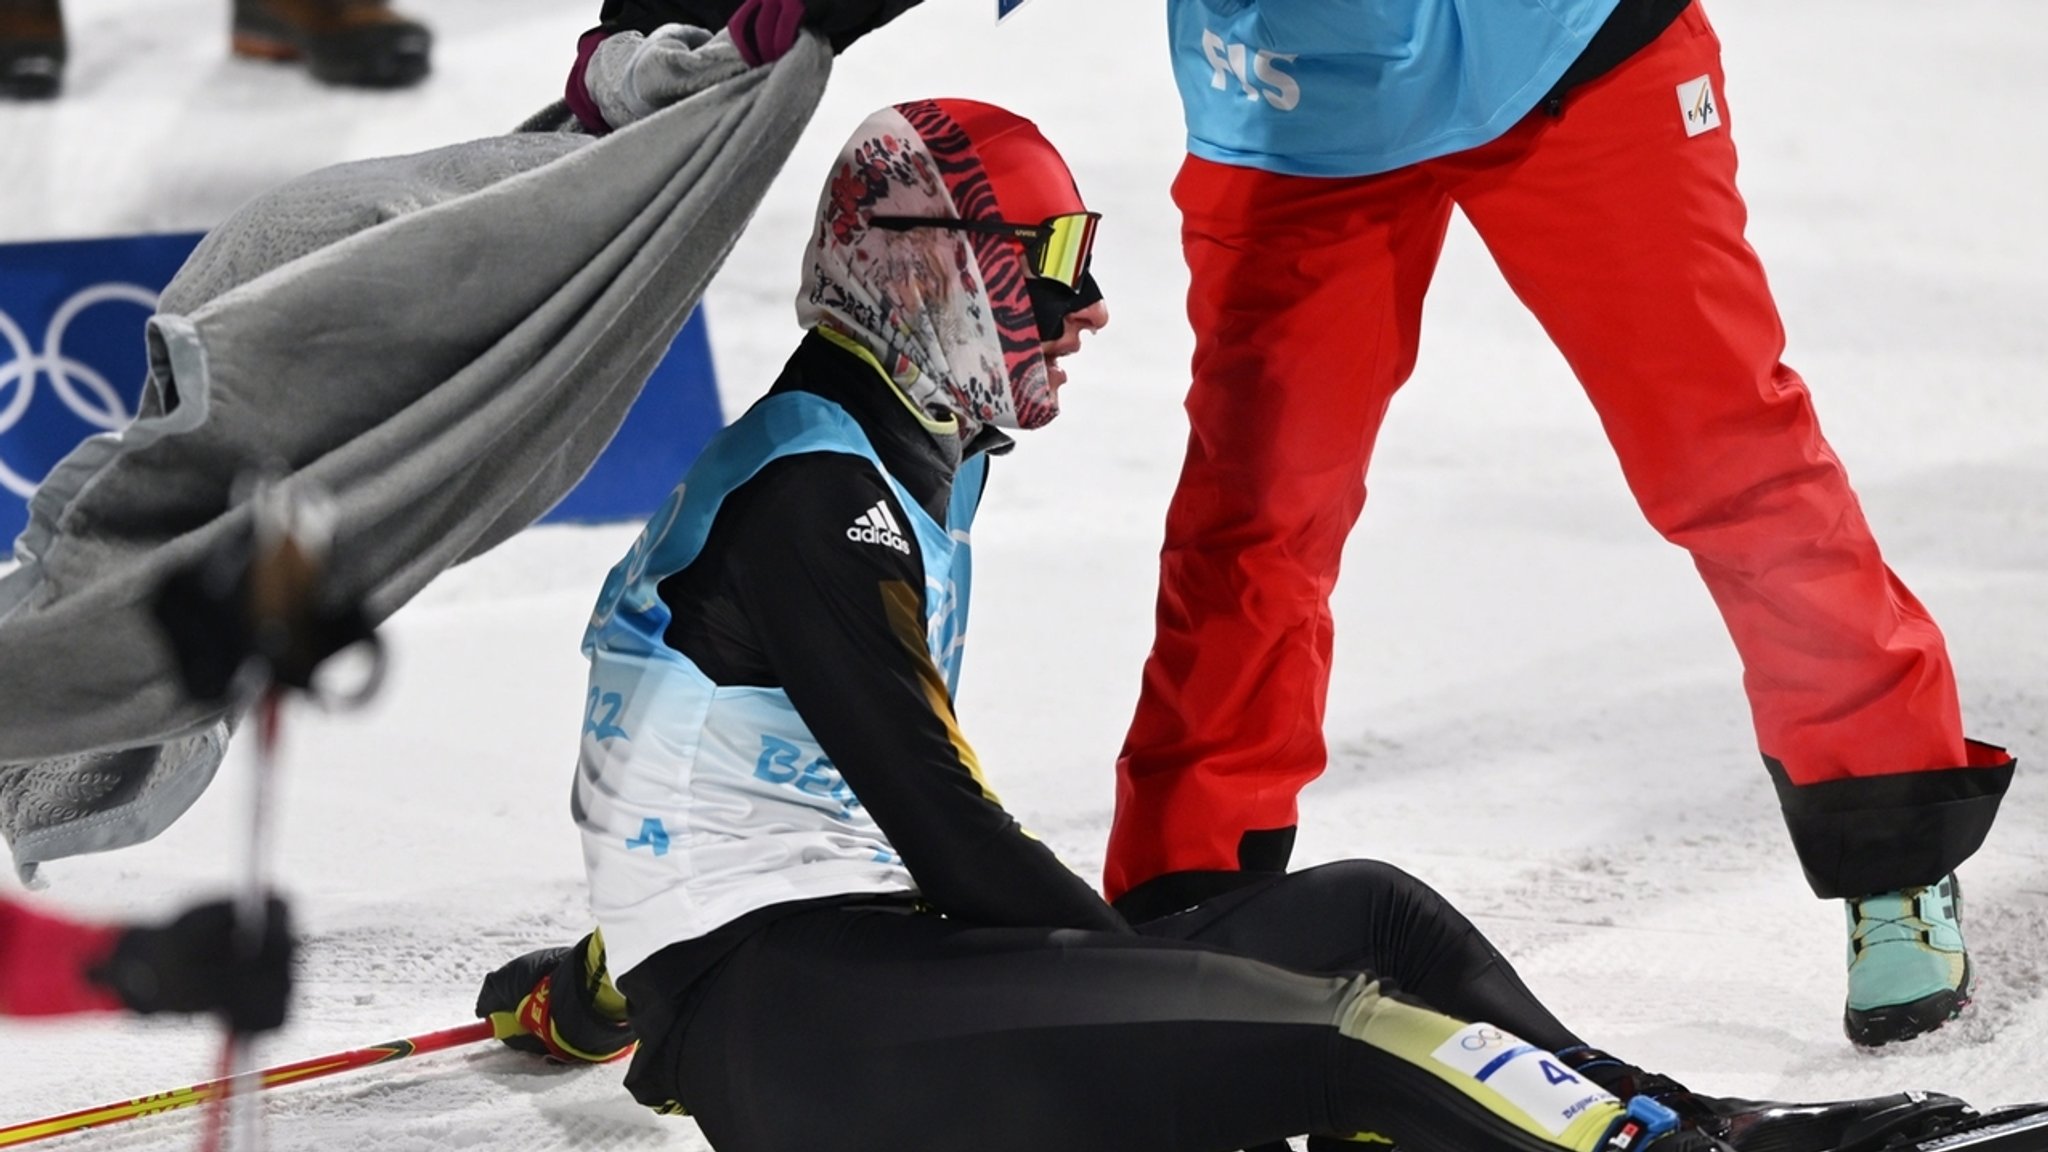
1767	1126
32	49
1626	1081
356	43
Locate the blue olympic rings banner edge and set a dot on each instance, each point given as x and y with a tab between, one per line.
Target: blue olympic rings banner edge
72	364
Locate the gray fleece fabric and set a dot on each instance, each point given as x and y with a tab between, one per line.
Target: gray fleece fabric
441	343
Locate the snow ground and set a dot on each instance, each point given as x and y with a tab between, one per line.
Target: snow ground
1534	705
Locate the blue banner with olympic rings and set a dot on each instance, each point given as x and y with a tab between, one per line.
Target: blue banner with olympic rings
72	363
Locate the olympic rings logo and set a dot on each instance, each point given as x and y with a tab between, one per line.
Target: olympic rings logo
1481	1038
81	387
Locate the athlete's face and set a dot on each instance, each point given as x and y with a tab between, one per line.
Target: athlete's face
1093	318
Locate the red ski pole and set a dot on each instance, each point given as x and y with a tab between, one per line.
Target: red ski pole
237	1076
249	622
267	1078
285	576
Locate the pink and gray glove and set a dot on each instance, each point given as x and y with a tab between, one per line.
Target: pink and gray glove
765	30
622	77
624	71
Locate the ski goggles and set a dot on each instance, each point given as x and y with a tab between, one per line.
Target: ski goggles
1057	249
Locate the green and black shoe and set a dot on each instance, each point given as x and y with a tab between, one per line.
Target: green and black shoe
1909	972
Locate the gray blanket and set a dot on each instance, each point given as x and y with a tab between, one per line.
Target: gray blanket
442	343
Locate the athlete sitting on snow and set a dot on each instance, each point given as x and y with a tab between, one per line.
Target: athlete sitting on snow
54	966
820	911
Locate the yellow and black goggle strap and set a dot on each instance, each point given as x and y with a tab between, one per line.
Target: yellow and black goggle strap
1056	249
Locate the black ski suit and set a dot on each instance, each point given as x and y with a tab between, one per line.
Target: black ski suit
1008	1006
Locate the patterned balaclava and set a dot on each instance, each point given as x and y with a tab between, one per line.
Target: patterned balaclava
946	313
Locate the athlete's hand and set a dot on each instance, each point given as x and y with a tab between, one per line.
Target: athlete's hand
545	1002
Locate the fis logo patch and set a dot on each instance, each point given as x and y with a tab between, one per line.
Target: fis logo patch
878	525
1697	101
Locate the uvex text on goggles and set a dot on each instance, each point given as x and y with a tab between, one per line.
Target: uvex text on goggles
1056	249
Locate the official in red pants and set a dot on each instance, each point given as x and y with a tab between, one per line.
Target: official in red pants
1614	215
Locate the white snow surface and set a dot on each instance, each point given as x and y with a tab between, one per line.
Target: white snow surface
1534	704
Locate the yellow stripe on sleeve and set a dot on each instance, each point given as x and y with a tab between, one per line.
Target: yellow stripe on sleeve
906	620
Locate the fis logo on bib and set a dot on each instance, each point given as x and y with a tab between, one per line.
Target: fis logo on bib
1258	73
878	525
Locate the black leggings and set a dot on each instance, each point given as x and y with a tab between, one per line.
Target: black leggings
1365	916
866	1028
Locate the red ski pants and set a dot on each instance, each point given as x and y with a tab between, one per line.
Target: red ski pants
1623	234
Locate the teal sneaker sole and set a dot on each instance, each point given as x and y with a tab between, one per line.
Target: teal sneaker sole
1876	1027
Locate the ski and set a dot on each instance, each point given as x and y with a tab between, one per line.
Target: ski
2018	1128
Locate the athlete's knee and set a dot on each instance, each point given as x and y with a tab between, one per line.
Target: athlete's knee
1372	892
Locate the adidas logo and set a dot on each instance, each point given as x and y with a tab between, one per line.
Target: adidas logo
878	526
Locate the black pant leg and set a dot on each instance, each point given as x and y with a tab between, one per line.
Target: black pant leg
865	1030
1369	916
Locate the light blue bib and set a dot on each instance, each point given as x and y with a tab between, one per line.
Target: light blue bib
630	617
1355	87
700	802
